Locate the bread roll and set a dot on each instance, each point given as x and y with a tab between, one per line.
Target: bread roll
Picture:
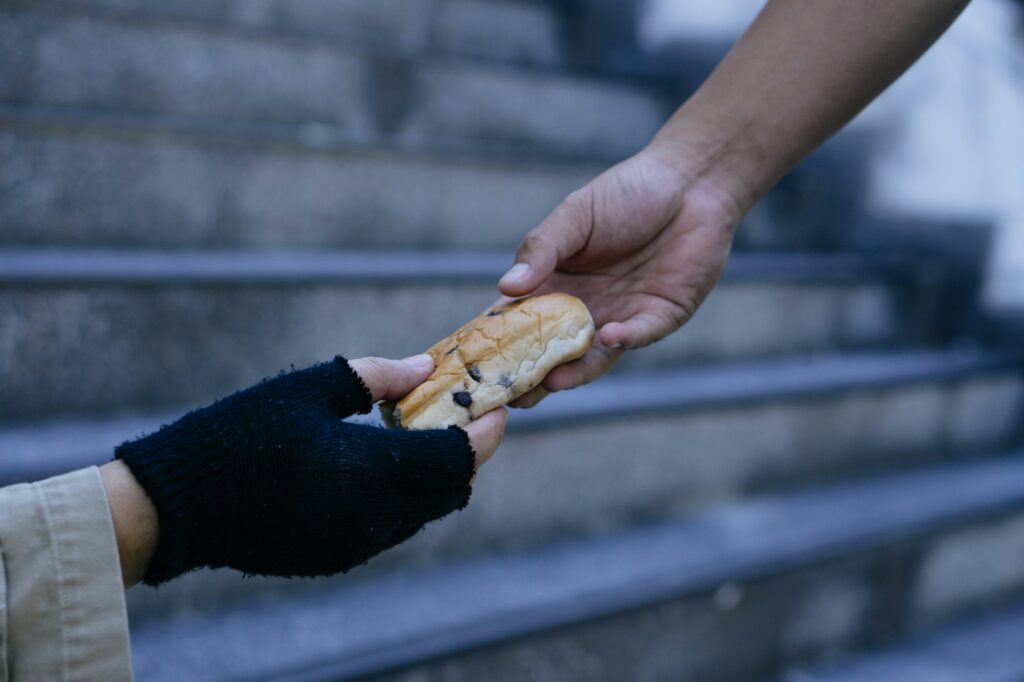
494	359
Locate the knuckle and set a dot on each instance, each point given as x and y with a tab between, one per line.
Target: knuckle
577	211
533	242
375	371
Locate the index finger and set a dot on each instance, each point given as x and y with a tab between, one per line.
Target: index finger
560	236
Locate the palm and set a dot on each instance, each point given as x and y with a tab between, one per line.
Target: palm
643	257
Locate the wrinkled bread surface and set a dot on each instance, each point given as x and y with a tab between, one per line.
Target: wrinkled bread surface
494	359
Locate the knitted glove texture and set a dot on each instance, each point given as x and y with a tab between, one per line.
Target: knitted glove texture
271	481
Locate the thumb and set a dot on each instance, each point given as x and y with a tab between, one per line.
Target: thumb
562	234
392	379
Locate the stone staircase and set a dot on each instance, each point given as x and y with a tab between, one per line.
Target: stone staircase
195	195
723	594
982	649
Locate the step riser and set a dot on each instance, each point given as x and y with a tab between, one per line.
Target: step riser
157	192
980	649
151	186
98	349
735	592
683	461
521	32
675	463
755	629
78	62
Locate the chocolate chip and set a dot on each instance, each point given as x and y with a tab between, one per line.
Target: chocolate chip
495	313
474	373
506	381
453	349
462	398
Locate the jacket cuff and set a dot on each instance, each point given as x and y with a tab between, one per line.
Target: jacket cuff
61	581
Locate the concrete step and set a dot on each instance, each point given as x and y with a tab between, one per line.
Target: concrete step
974	382
981	649
165	329
117	64
75	178
642	446
135	183
732	593
528	33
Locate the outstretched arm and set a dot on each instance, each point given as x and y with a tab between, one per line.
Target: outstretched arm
644	243
801	72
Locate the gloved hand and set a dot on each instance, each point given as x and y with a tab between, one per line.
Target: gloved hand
271	481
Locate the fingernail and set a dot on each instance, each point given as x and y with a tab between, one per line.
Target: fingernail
516	272
420	362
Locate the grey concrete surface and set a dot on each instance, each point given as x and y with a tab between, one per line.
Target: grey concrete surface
980	649
90	189
150	182
68	350
955	561
728	594
52	447
696	639
505	30
92	63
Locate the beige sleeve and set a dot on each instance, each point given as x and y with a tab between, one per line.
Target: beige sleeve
62	607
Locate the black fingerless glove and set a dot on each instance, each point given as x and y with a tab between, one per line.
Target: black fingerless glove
271	481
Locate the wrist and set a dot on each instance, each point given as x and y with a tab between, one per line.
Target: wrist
711	159
136	528
187	473
703	173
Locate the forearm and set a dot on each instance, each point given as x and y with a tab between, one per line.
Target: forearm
801	71
135	521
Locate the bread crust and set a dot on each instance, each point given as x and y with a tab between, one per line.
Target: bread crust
494	359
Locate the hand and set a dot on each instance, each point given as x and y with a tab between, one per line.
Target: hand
642	245
271	481
394	379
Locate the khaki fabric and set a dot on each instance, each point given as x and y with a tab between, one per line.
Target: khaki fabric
62	607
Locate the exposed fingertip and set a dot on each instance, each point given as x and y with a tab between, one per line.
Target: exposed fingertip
515	290
560	378
519	280
516	275
420	363
526	402
614	335
388	379
498	415
531	397
512	291
485	433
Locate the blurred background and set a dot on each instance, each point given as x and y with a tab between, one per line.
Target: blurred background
819	478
